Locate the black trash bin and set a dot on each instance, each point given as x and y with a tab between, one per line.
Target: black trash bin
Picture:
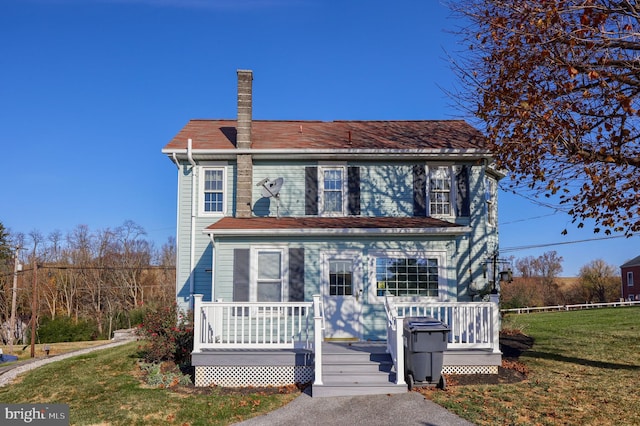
425	340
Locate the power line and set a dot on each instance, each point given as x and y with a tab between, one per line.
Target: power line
534	200
529	218
519	248
95	268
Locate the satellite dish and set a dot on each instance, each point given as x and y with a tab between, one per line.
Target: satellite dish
272	188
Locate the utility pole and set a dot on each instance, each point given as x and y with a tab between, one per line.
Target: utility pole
34	301
12	322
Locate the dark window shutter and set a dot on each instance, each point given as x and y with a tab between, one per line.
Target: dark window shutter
311	191
419	190
241	275
353	182
296	275
463	207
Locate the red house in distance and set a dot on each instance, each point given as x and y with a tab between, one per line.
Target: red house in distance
630	272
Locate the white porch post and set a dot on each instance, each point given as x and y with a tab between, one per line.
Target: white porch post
400	350
197	322
495	326
317	338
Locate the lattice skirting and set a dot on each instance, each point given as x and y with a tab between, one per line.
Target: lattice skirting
470	369
252	375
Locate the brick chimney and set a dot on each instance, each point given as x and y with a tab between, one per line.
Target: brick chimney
243	138
243	141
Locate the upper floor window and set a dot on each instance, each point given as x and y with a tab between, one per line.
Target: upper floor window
630	279
440	191
490	195
212	193
332	191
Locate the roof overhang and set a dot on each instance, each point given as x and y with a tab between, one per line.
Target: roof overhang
337	232
332	154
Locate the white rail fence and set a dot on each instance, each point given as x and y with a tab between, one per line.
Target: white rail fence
528	310
252	325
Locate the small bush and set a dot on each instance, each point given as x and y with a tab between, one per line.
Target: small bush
65	329
156	375
169	335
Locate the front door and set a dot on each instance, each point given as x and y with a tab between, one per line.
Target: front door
342	296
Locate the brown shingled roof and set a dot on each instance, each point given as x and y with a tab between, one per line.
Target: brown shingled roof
425	134
349	222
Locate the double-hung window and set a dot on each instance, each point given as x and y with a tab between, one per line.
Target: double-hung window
269	275
630	279
212	192
490	188
332	190
440	191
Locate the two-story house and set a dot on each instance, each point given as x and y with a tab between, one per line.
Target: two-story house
630	272
371	220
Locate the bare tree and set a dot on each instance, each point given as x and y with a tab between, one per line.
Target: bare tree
557	84
601	281
99	276
537	283
134	256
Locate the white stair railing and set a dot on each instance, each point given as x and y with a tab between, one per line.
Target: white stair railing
318	333
395	342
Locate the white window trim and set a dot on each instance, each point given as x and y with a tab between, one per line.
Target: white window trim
225	194
630	278
452	191
442	274
491	201
345	188
253	270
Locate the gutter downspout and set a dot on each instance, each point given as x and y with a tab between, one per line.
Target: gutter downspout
178	239
192	243
213	272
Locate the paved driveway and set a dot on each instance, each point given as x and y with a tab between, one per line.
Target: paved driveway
406	409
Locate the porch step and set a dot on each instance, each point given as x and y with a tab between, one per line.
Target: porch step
358	368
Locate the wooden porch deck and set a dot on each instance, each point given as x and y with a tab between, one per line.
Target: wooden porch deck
348	368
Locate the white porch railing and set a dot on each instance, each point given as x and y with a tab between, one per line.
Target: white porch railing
252	325
474	325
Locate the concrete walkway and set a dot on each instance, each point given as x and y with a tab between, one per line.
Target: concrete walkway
10	372
407	409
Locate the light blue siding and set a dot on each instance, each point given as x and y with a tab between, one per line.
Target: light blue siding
386	189
292	193
188	230
373	315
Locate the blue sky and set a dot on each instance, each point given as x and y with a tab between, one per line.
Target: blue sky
91	90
